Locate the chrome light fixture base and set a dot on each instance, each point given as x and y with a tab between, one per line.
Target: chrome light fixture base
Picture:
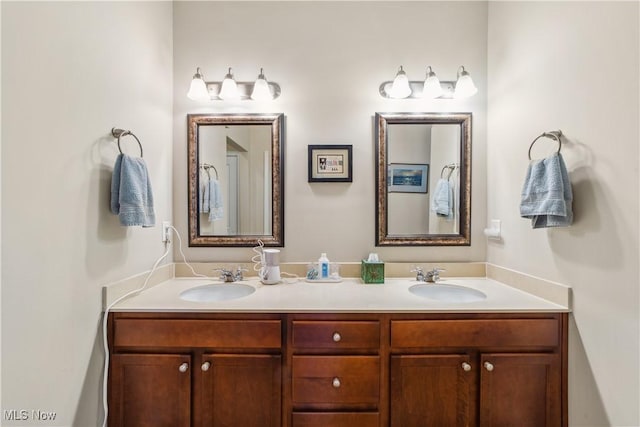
417	86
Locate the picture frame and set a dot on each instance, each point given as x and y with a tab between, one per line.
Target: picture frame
408	178
330	163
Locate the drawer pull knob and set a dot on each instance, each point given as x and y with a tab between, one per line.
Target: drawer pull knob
183	367
336	382
205	366
337	337
488	366
466	366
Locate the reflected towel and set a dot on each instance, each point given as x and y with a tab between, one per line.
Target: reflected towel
546	194
131	195
204	194
216	210
441	203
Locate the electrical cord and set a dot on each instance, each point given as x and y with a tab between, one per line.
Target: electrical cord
105	342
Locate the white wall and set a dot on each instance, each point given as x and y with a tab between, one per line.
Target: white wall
330	58
71	71
574	66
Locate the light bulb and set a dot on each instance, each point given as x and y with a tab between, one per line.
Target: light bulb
431	88
400	87
261	90
229	89
464	85
198	89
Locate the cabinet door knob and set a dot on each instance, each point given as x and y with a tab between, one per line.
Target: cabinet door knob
336	382
337	337
488	366
466	366
183	367
205	366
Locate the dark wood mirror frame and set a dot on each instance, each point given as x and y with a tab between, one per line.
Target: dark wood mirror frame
463	238
276	121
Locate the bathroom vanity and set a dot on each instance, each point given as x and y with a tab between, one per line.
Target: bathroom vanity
227	364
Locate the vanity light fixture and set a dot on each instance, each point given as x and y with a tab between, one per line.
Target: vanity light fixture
198	89
261	91
464	85
431	88
400	87
229	89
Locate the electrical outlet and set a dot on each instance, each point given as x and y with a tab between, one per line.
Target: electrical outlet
166	231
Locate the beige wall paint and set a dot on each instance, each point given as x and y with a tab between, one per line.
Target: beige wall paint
330	58
574	66
71	71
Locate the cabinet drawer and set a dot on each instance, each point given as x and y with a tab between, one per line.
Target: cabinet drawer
336	335
336	381
475	333
159	333
336	419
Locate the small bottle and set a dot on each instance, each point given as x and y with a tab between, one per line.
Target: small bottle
323	266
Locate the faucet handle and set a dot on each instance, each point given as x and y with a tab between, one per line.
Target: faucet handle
225	274
419	273
239	272
434	275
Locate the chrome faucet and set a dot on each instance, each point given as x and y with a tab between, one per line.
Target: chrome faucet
431	276
230	276
419	274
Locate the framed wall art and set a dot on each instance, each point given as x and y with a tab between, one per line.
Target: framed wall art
330	163
408	178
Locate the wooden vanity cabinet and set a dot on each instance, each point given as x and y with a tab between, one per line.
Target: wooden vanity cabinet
150	390
338	370
491	371
199	370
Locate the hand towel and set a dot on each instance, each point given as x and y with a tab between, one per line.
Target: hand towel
204	194
441	201
216	210
131	195
546	194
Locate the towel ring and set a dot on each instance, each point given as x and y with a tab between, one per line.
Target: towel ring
451	168
556	134
119	133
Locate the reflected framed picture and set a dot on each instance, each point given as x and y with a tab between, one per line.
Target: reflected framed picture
408	178
330	163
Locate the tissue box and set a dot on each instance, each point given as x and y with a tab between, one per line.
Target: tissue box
372	272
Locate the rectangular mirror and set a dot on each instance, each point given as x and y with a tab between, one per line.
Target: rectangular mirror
423	176
235	179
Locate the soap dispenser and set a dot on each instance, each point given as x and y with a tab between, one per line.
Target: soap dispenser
323	266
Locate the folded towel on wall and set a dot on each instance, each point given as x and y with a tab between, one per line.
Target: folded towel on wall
546	195
442	200
131	195
204	195
216	210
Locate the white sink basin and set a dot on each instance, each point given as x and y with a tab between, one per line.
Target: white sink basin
217	292
447	293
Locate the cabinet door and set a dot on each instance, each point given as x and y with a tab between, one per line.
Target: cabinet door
241	390
432	390
520	390
150	390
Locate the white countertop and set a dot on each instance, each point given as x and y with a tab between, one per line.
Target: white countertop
349	296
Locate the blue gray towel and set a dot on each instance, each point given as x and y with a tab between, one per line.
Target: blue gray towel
546	194
204	195
442	200
131	196
216	210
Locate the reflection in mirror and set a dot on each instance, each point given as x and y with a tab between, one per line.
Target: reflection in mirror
235	179
423	176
